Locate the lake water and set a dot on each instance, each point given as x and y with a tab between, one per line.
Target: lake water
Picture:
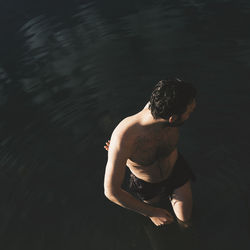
70	71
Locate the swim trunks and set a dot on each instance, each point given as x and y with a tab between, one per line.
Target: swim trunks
180	174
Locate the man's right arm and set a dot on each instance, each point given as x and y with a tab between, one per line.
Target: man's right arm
118	154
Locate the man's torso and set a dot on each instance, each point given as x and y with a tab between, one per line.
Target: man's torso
154	150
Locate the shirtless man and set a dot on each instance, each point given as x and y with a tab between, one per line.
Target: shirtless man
147	144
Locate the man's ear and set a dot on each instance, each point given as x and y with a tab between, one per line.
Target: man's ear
172	118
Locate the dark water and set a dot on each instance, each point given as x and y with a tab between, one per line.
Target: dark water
70	71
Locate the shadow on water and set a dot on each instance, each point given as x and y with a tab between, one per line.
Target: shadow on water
74	79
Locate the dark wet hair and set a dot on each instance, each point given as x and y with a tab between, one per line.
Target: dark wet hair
171	97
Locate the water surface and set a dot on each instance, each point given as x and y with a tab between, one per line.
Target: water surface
71	71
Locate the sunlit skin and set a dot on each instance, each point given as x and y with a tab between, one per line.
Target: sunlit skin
172	119
181	197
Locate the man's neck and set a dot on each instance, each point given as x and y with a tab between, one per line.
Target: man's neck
148	120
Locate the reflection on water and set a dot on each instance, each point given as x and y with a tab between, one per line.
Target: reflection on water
76	79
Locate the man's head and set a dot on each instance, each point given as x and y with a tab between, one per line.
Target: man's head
172	100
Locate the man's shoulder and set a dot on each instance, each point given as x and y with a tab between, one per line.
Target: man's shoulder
126	129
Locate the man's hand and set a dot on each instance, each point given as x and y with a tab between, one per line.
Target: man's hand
107	147
161	217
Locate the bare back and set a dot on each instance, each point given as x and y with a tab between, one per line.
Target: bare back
154	151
